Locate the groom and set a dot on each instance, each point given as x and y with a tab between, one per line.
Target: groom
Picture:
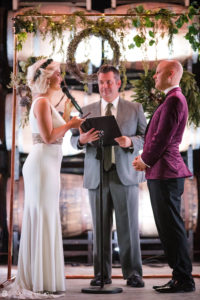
165	172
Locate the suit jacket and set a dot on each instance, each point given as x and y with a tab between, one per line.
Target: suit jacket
162	139
132	123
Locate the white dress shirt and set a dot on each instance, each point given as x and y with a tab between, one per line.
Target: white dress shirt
113	108
170	88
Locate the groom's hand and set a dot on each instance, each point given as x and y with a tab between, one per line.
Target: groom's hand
138	164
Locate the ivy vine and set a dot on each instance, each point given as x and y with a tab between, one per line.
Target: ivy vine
147	23
151	25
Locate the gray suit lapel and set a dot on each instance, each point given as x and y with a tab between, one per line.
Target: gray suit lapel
120	112
96	110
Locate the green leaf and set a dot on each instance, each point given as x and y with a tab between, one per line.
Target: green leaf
148	22
193	30
139	40
185	19
139	9
151	42
131	46
19	47
151	34
158	16
22	36
179	22
175	31
187	36
192	12
136	22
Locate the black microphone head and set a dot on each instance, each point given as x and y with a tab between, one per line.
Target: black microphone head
66	92
62	84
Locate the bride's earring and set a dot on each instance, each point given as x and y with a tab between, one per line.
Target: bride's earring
48	83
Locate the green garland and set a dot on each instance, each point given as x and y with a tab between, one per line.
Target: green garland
71	63
146	94
153	23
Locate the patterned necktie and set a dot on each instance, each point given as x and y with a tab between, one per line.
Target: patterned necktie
108	149
108	109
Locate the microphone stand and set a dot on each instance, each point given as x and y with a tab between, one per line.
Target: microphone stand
101	289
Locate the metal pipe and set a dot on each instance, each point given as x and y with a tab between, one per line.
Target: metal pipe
12	172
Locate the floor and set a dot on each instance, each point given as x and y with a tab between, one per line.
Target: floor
78	277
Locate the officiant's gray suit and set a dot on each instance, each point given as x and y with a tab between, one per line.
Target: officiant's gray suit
120	189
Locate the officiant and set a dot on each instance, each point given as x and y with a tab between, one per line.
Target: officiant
120	180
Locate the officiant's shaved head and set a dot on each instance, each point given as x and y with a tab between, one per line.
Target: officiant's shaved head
168	73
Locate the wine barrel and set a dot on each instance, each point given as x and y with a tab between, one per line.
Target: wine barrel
75	209
189	208
74	206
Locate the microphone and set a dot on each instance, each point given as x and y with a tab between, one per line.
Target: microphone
67	93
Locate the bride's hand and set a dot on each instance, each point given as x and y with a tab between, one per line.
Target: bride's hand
76	122
67	110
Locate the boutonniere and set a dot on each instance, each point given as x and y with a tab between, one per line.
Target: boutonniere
156	96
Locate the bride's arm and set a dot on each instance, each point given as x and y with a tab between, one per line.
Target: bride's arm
42	112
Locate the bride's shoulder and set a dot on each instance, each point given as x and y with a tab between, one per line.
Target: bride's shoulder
41	102
40	99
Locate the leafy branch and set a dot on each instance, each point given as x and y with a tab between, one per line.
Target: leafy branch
147	23
146	94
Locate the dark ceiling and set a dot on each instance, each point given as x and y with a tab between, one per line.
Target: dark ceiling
98	5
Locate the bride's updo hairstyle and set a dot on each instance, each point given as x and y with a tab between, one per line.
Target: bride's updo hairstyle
39	73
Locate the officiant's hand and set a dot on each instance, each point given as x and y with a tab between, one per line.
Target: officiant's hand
124	141
89	136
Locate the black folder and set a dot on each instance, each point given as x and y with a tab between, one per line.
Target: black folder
107	124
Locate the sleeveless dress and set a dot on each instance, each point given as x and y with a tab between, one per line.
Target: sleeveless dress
41	260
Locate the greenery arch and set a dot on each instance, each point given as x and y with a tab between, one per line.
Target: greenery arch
147	23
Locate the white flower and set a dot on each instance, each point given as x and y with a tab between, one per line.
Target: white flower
4	293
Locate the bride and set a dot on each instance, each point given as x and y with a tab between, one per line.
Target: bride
41	264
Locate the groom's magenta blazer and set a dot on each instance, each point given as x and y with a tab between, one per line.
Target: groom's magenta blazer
162	139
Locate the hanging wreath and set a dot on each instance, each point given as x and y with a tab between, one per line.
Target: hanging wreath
71	63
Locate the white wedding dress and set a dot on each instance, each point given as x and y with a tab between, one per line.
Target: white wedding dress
40	271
